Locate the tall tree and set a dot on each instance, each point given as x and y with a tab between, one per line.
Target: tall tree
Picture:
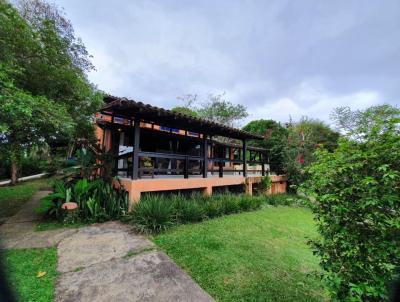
275	140
215	108
43	71
304	138
358	124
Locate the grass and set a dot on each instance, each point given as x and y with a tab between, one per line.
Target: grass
13	197
253	256
22	268
47	225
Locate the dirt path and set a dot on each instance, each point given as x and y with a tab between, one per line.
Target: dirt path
103	262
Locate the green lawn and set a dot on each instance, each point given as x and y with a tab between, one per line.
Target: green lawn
22	267
255	256
13	197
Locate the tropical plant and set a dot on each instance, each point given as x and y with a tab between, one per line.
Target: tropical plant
156	213
96	200
229	203
51	204
191	210
153	214
266	183
212	208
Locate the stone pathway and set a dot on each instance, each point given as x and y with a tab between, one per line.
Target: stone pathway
104	262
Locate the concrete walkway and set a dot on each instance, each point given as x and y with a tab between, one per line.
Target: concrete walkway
103	262
19	231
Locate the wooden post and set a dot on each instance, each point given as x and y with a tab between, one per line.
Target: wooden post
136	143
262	167
220	169
205	156
186	168
244	159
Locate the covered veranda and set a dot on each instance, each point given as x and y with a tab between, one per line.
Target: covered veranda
160	150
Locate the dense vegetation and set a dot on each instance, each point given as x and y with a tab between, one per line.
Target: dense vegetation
253	256
276	137
357	205
155	213
45	97
96	200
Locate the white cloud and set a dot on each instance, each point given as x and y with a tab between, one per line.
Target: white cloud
279	58
314	102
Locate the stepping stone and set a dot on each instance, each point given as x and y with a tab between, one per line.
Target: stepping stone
98	243
150	276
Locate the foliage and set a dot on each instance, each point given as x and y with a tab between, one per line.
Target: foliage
275	141
29	165
215	108
357	208
287	200
359	124
156	213
305	137
152	214
96	200
252	256
266	182
22	267
189	210
185	110
44	93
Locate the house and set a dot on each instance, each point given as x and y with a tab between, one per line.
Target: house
160	150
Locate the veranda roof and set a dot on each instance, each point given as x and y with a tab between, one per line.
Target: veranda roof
123	107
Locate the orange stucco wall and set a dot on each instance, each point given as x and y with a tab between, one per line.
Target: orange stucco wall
136	187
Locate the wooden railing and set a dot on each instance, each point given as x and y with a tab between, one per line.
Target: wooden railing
186	165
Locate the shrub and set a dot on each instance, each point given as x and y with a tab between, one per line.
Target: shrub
191	211
153	214
213	208
357	210
229	203
266	183
188	209
96	200
286	200
256	202
245	202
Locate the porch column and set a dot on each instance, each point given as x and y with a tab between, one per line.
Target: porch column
205	156
244	159
262	156
136	141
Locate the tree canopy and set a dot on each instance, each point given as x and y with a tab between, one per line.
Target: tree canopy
44	89
275	140
215	108
304	138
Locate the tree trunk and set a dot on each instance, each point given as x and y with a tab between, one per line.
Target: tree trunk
14	172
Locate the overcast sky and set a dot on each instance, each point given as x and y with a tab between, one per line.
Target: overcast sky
279	58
